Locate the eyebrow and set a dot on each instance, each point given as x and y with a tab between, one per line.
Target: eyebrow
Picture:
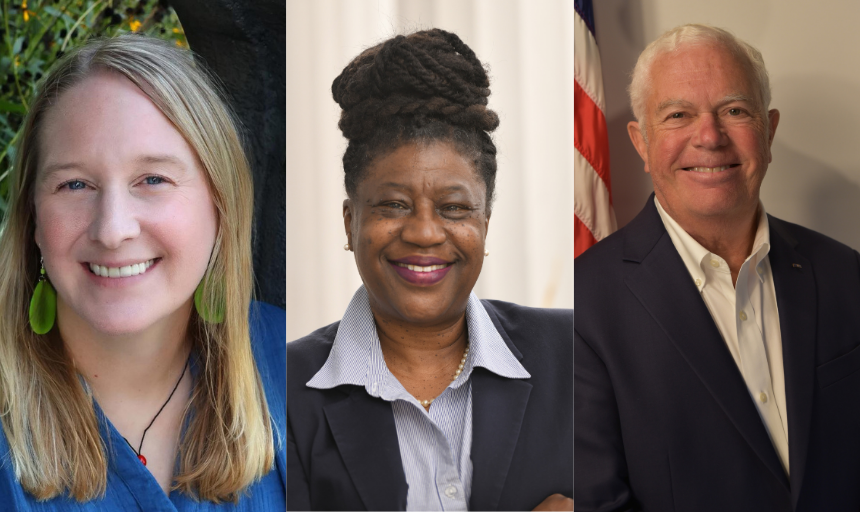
141	160
671	103
454	188
447	190
394	184
52	169
160	159
731	98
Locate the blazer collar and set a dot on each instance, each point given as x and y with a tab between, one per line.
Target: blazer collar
796	298
498	407
366	437
662	284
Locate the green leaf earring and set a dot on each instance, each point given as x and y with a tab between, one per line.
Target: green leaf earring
216	314
43	305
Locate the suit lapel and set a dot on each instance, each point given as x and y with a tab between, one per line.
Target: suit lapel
498	407
797	302
665	289
364	431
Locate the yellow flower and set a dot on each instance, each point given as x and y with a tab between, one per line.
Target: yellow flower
134	25
27	12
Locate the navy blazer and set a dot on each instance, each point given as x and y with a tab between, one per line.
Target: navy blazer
343	450
664	420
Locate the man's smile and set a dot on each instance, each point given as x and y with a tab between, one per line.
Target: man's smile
710	169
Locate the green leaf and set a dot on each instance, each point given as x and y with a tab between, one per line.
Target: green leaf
11	151
52	11
8	106
16	48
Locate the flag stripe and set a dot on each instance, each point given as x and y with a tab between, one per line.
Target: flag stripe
592	194
591	201
586	12
587	71
589	134
582	237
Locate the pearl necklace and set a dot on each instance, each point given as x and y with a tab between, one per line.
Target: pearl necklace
426	403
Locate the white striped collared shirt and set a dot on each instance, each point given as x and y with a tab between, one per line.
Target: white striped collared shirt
435	445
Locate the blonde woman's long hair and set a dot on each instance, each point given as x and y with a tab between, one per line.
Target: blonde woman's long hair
46	413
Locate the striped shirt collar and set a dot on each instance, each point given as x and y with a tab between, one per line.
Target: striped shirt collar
356	355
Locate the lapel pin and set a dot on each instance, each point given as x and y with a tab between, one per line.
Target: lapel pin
796	265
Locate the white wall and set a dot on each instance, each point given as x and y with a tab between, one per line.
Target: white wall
812	52
528	46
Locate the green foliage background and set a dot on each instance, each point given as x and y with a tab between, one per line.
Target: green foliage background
34	34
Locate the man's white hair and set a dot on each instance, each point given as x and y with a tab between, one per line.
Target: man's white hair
686	35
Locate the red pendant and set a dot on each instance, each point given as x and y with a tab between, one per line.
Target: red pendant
142	459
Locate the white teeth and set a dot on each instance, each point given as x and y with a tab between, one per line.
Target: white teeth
416	268
709	169
116	272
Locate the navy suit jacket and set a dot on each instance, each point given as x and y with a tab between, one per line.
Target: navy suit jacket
664	420
343	452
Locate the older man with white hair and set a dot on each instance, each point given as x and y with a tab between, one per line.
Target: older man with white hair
717	348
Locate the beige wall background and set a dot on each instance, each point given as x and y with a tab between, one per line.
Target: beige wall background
528	45
812	52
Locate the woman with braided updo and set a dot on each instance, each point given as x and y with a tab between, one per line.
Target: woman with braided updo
424	397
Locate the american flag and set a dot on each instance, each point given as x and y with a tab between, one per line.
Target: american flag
592	201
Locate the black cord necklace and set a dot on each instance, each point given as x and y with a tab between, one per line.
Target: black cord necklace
139	448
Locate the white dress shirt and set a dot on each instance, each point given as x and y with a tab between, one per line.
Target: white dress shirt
747	318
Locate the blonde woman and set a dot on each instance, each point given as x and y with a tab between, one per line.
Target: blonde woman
135	372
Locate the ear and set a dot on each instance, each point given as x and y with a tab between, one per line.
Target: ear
347	220
773	121
638	141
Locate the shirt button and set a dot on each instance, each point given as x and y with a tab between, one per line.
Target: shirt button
742	316
760	271
451	491
763	397
715	263
698	282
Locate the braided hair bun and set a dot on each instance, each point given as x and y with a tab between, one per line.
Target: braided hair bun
424	87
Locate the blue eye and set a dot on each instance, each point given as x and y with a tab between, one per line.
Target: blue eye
153	180
74	185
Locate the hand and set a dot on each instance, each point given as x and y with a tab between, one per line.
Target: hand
556	502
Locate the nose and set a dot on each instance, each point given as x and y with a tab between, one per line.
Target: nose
114	220
710	133
424	227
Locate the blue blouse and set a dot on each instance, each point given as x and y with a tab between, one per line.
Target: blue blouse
131	487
